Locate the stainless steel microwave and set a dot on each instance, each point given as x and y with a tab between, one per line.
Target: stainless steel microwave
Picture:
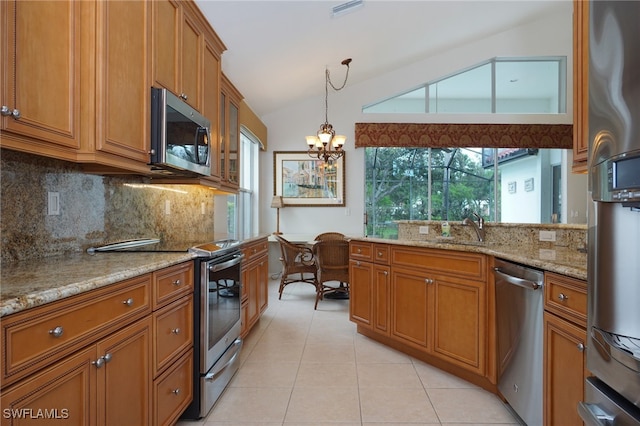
180	137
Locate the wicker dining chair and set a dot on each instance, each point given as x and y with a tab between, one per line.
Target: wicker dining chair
332	257
298	264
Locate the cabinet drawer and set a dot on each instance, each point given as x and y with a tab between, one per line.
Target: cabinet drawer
40	336
360	250
173	332
381	253
566	297
255	250
454	263
172	283
173	391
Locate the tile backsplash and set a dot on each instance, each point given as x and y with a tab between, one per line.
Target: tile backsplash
93	209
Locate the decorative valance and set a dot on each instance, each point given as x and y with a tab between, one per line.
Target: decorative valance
426	135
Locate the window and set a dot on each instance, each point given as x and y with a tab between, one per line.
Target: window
450	183
247	209
498	86
241	209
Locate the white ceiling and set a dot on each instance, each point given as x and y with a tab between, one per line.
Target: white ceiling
277	51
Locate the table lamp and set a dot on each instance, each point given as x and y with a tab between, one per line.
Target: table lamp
277	203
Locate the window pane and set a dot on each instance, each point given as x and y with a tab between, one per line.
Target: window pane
411	102
527	87
467	92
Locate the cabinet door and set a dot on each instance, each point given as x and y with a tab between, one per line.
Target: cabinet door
361	293
410	313
122	79
211	100
124	380
381	298
564	371
66	390
41	70
580	85
263	284
167	17
191	60
460	322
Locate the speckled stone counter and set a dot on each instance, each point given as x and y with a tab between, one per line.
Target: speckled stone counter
562	260
28	284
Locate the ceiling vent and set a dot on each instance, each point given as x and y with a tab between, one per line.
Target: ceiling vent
347	7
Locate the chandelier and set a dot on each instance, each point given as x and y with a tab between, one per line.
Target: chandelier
325	144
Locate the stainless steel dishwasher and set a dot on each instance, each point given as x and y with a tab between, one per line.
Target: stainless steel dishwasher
519	316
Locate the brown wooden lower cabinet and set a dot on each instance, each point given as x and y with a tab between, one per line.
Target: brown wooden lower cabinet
107	383
255	283
565	367
431	303
91	359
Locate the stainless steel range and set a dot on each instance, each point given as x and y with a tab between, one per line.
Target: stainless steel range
217	323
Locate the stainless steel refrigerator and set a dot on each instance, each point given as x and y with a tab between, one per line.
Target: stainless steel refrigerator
612	393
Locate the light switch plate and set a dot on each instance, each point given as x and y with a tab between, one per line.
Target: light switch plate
423	229
547	235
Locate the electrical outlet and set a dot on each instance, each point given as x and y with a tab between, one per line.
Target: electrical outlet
203	210
53	203
423	230
547	235
167	207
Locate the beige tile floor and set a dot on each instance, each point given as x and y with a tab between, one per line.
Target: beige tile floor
306	367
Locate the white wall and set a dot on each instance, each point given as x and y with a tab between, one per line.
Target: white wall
288	127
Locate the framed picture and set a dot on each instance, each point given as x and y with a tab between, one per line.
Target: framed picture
308	182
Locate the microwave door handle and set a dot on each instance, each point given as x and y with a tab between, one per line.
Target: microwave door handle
196	145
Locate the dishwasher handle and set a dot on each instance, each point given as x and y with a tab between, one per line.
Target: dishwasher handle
528	284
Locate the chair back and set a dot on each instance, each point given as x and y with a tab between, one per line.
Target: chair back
330	236
296	258
332	257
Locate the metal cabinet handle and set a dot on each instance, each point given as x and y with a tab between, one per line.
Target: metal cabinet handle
379	254
176	391
386	272
6	111
98	362
56	332
177	282
563	297
128	302
428	281
184	96
176	330
580	346
107	357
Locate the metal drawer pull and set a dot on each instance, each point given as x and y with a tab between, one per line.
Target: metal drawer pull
56	332
107	357
128	302
176	331
379	254
175	391
563	297
580	346
177	282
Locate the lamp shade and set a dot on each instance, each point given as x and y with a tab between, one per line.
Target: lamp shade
276	202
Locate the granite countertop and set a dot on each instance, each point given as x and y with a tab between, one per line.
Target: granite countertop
561	260
26	285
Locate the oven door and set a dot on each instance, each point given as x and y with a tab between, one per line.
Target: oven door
220	308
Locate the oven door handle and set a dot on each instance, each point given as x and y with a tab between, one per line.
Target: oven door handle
224	265
235	347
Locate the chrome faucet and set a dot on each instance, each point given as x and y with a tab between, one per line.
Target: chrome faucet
478	227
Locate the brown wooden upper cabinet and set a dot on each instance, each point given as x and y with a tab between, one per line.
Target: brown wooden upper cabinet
580	85
178	40
229	158
41	45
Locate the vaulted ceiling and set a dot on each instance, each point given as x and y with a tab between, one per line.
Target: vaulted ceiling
278	50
